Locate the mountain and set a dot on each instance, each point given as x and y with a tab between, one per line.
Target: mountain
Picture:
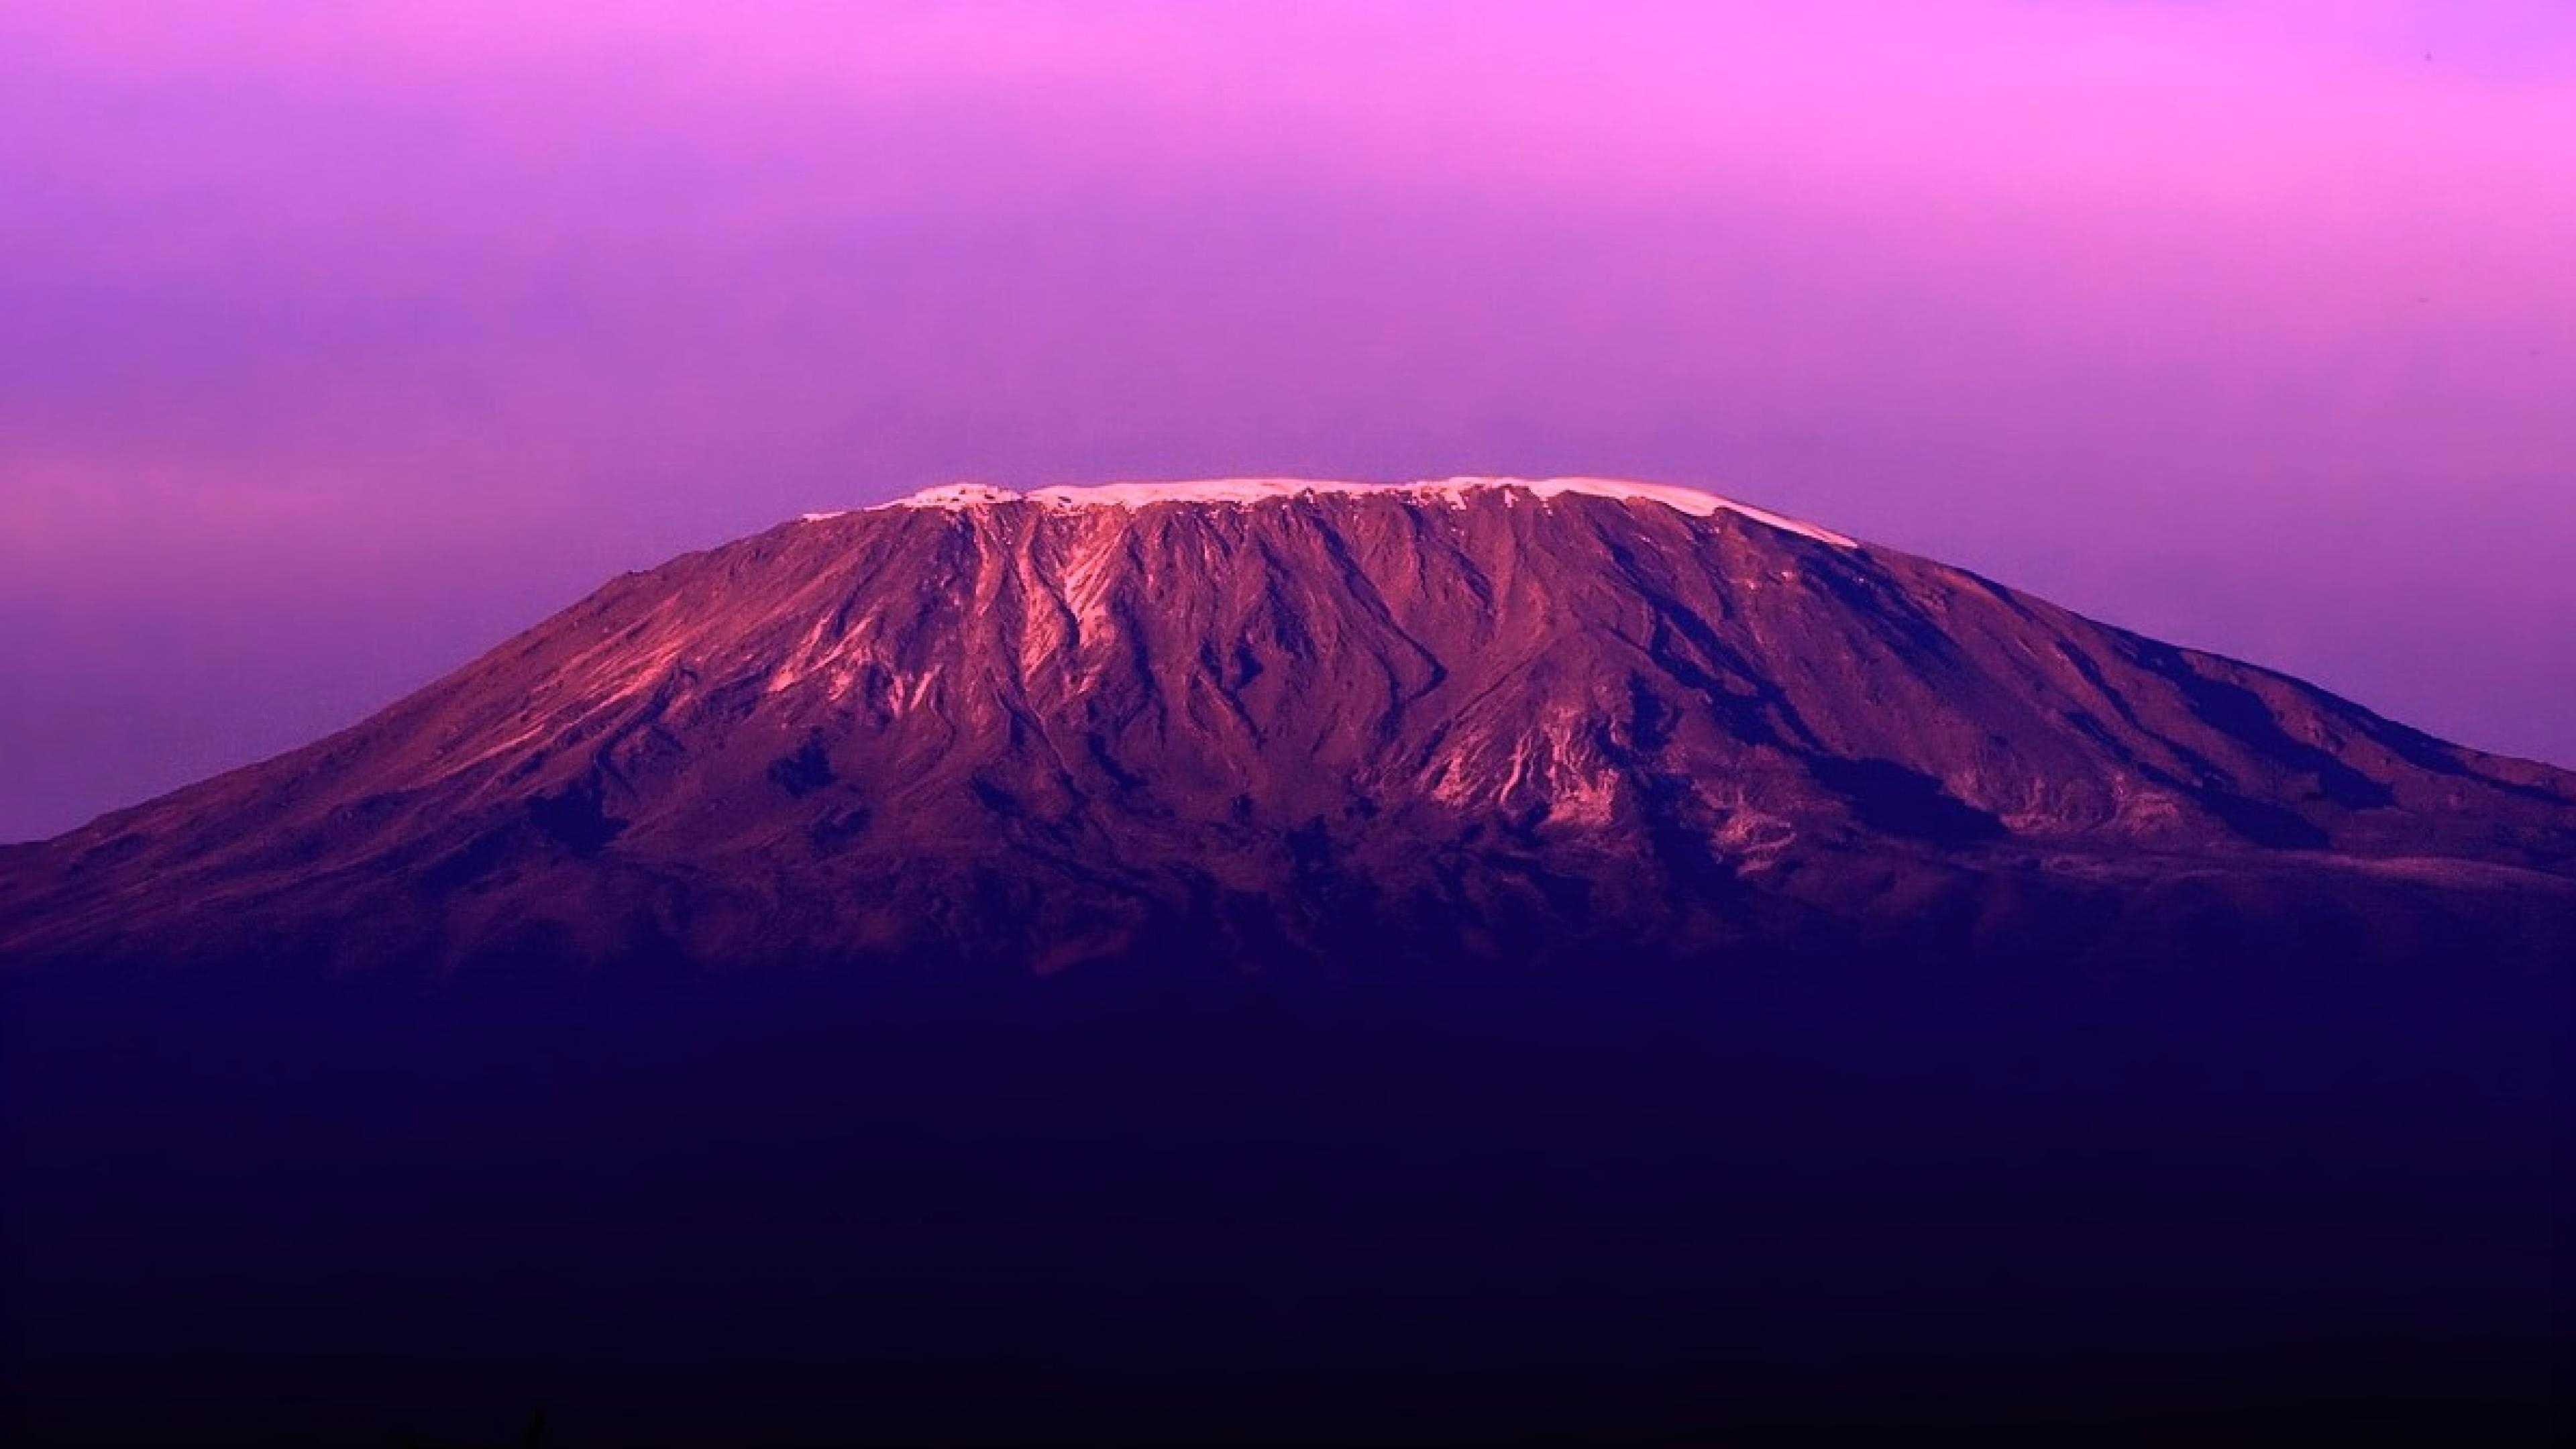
1284	721
1280	962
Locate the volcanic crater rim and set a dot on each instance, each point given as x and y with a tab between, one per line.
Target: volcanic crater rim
1239	492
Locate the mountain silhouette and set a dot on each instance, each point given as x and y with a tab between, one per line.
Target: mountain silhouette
1280	720
1262	961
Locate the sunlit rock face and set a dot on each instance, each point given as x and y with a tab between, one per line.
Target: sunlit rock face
1088	966
1292	722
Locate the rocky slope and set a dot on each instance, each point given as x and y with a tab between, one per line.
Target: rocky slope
1284	722
1276	963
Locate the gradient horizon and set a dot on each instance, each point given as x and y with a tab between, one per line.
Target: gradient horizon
343	341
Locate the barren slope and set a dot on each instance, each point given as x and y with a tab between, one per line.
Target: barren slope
1282	716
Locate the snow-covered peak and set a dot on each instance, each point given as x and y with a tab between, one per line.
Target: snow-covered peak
1452	491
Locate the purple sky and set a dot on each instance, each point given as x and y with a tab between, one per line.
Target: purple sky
339	339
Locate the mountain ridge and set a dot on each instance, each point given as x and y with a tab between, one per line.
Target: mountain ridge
1160	700
1433	968
1244	492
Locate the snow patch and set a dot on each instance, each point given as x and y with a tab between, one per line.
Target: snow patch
1454	492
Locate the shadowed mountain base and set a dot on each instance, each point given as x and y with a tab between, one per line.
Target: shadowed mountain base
1786	1200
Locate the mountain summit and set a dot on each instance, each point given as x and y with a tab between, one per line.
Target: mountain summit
1277	962
1282	721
